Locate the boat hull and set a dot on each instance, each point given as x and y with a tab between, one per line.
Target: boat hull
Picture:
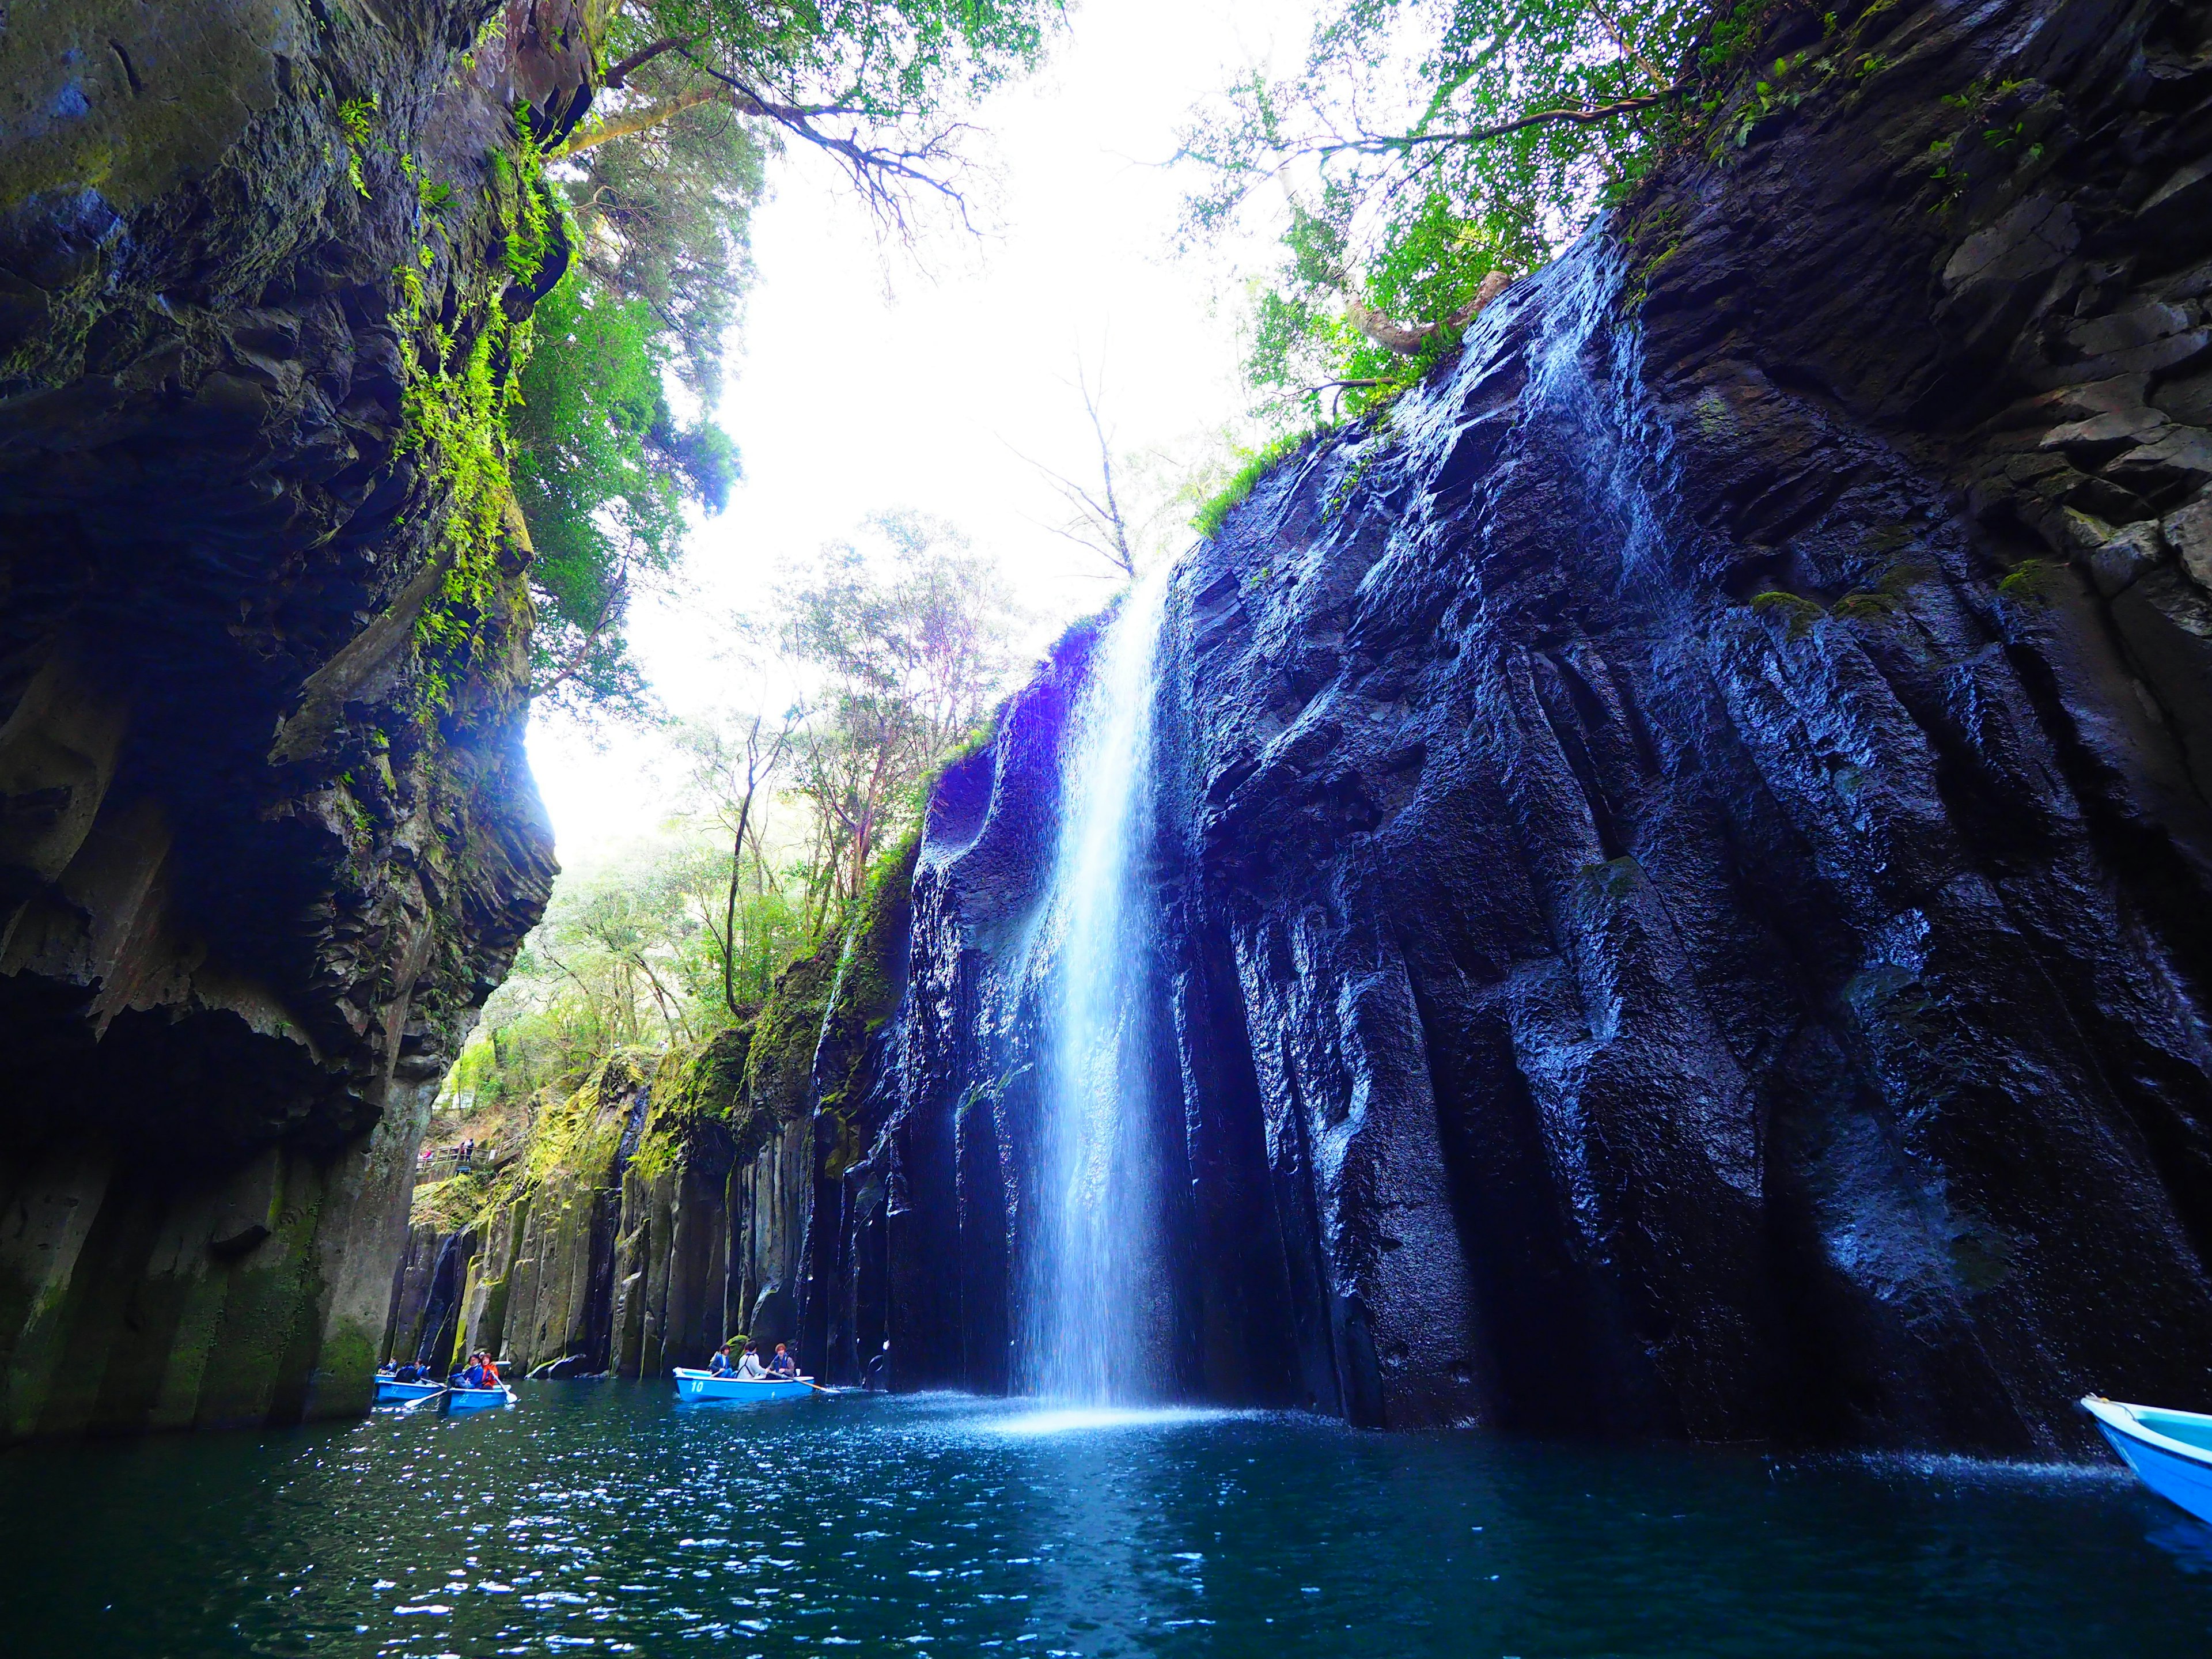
476	1399
2177	1471
389	1393
698	1388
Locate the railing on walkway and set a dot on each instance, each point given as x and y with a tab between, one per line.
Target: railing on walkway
435	1163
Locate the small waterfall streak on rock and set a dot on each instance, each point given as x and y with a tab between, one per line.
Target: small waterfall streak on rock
1092	1332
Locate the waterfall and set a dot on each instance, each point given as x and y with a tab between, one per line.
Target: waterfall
1097	1311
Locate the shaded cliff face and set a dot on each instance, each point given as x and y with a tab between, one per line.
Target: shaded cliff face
672	1203
267	836
1685	846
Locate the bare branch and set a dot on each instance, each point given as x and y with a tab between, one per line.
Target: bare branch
880	172
1408	339
1101	526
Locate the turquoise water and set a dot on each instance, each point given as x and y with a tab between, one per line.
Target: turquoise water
600	1517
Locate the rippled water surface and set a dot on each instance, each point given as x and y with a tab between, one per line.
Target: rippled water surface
600	1517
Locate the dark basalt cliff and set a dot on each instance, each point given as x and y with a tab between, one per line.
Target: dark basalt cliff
267	836
1685	852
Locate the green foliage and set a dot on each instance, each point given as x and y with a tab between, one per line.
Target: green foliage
356	120
1256	466
1886	597
1876	602
1797	612
529	235
603	474
453	419
1734	35
904	630
2033	581
664	220
1400	207
699	1092
889	62
779	1067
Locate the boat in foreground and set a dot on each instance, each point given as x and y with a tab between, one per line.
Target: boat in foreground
696	1386
389	1393
470	1400
2170	1451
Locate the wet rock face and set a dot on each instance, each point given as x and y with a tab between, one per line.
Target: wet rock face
263	851
1684	860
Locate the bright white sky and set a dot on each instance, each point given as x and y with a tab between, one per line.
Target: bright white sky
847	399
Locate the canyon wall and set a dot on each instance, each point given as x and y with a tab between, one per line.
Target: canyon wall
267	834
1684	852
669	1204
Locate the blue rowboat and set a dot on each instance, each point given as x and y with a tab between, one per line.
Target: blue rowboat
2170	1451
389	1393
472	1400
693	1387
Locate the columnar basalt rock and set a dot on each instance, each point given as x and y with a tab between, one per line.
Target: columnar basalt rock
267	836
1684	843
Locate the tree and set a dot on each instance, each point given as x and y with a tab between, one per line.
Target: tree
664	218
694	96
603	472
870	84
733	765
906	641
1430	151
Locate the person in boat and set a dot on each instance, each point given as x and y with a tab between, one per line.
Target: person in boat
720	1365
783	1364
750	1369
388	1372
473	1377
491	1371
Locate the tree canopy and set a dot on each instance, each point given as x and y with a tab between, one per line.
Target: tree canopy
614	447
877	85
892	647
1429	150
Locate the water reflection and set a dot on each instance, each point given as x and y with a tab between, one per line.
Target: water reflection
601	1517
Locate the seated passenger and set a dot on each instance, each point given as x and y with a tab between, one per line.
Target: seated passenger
491	1371
783	1364
750	1369
720	1365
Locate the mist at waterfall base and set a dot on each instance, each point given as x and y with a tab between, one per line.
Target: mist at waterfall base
603	1517
1096	1308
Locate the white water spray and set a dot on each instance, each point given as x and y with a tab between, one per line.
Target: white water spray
1098	1310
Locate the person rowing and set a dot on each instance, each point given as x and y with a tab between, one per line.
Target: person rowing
783	1364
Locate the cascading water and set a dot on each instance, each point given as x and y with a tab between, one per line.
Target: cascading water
1097	1287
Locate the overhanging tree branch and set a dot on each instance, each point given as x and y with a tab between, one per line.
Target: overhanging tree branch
1405	143
880	172
637	60
627	122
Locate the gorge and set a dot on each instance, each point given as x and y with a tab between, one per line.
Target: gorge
1657	885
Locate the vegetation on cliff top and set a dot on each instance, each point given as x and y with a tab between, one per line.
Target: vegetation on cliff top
775	911
1430	151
